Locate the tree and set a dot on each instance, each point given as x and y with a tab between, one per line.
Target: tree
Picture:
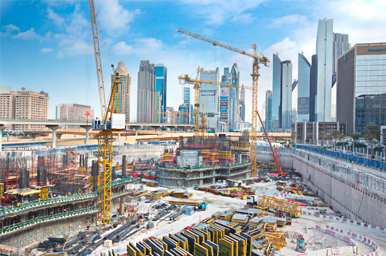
356	136
246	133
336	135
372	133
294	134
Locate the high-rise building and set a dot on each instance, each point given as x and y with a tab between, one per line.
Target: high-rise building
161	87
242	104
122	103
235	96
268	110
186	96
313	85
171	117
276	91
303	100
294	99
183	118
209	98
7	103
340	46
361	86
146	93
225	99
74	112
286	95
32	106
324	51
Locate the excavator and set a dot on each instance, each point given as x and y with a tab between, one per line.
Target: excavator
281	173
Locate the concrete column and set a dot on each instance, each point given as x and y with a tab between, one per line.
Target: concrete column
53	128
136	132
2	127
87	128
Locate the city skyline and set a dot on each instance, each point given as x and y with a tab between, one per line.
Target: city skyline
57	40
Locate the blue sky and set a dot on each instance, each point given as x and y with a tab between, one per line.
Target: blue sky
47	45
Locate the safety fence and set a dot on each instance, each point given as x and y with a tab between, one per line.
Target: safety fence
43	219
356	159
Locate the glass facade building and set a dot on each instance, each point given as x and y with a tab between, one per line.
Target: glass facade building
161	87
303	100
361	90
324	51
268	110
276	91
209	98
286	95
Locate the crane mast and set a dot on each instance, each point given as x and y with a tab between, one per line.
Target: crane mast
255	77
98	60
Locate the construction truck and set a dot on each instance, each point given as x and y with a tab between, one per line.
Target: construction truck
201	207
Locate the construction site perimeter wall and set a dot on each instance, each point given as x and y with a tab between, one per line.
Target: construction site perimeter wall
357	195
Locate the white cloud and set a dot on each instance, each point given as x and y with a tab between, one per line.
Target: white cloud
217	12
56	18
113	17
10	28
28	35
293	19
243	18
121	48
45	50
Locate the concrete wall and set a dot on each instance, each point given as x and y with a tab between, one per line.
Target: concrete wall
357	195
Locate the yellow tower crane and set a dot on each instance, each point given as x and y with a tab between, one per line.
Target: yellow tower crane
203	121
111	122
197	87
255	76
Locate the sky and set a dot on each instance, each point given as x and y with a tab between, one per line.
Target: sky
47	45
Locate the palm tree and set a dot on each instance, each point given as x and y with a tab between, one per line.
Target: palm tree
372	133
294	134
355	137
336	135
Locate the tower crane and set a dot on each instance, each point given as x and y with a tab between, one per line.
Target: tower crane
197	87
255	76
110	122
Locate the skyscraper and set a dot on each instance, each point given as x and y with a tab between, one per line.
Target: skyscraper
313	86
146	95
361	87
303	100
286	95
161	87
340	46
242	104
276	91
225	99
324	51
268	110
209	98
294	99
122	103
235	96
183	118
186	97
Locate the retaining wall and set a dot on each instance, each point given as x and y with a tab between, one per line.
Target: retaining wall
357	195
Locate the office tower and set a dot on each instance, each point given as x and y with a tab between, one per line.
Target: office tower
294	99
31	106
286	95
361	87
276	91
74	112
313	85
146	93
268	110
209	98
183	117
161	87
225	99
122	103
235	96
303	100
161	118
340	46
324	51
242	104
186	96
7	102
171	117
